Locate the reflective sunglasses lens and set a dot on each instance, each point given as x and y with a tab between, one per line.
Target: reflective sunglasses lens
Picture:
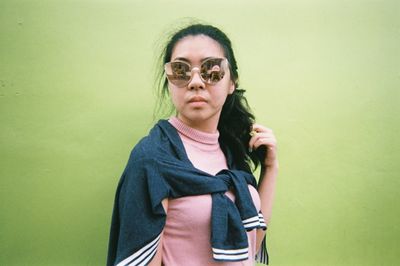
178	73
212	70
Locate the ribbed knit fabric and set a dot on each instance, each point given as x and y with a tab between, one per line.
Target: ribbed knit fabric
186	238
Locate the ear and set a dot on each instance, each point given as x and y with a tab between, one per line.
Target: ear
231	87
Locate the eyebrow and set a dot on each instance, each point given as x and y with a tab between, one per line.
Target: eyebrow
187	60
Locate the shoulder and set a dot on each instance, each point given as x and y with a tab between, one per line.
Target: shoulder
149	146
145	154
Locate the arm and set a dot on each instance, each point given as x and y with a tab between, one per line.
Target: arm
157	260
269	171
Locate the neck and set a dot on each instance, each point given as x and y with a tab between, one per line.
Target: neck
209	126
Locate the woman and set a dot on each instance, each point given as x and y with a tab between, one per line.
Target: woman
187	195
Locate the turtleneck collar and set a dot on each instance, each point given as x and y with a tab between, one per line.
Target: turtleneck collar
194	134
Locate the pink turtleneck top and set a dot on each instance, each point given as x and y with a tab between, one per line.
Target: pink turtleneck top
187	232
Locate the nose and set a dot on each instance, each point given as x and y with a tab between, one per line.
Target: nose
196	82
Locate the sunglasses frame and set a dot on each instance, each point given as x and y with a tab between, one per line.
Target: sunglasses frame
183	83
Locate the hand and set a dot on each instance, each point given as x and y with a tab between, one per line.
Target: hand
262	136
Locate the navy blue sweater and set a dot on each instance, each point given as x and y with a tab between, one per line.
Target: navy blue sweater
159	168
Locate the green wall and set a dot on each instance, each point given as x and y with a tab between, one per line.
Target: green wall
76	95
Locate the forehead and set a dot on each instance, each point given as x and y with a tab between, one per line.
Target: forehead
196	48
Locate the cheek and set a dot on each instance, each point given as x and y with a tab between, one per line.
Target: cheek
222	92
176	97
219	98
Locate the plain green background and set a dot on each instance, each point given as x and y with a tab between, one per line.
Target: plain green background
76	94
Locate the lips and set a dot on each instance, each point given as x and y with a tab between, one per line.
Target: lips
197	99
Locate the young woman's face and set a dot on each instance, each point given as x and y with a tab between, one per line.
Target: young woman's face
199	104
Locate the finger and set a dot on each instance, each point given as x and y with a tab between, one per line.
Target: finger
260	128
257	136
253	139
269	142
258	140
264	135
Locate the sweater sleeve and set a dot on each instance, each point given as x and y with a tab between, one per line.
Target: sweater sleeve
138	216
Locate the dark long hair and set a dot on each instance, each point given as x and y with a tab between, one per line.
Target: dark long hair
236	118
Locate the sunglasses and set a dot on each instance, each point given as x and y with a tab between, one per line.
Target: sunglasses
211	71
